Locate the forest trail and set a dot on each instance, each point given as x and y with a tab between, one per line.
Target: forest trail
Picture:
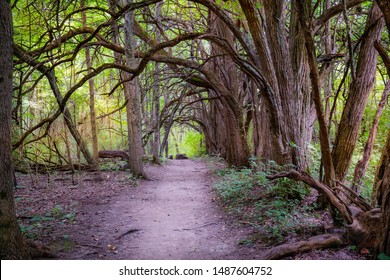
173	216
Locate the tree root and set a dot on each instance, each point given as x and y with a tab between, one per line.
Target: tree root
314	243
364	223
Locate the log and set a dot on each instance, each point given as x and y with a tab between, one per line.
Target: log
114	154
181	156
314	243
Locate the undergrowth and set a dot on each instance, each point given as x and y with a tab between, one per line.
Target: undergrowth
275	208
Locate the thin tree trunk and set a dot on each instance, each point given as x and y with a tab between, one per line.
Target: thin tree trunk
156	95
12	244
324	136
361	166
92	111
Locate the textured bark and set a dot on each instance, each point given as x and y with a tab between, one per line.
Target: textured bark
12	244
133	98
314	243
385	8
156	95
382	181
358	94
131	91
314	75
281	59
227	130
384	185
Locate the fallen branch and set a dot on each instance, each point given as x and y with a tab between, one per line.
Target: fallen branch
128	232
314	243
204	225
114	154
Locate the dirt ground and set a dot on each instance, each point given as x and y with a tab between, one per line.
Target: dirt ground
109	215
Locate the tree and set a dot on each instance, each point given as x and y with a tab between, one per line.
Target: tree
12	244
358	94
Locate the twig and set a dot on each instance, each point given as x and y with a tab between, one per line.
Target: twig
128	232
212	223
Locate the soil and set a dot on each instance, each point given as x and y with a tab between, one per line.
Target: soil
174	214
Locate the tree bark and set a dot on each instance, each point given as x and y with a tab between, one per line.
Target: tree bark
384	5
12	243
359	91
133	98
381	195
314	76
156	94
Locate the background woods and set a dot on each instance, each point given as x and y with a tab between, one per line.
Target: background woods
298	84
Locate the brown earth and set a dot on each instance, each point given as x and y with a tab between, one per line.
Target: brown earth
109	215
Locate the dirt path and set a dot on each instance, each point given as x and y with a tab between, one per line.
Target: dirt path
100	215
175	217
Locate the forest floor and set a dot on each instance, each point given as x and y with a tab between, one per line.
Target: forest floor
174	214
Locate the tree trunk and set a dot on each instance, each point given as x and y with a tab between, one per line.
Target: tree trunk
361	166
133	98
156	94
382	181
92	111
228	130
359	92
131	91
381	196
12	244
385	8
280	58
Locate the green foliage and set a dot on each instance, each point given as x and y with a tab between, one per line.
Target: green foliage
39	224
112	165
383	256
187	141
275	208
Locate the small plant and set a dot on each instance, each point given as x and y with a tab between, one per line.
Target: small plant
274	208
111	166
59	213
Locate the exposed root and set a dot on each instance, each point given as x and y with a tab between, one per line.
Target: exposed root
314	243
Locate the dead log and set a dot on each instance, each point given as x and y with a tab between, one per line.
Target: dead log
114	154
181	156
314	243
